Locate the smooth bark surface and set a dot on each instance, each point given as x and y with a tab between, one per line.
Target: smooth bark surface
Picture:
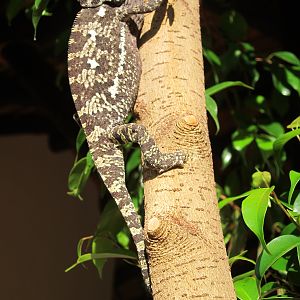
185	243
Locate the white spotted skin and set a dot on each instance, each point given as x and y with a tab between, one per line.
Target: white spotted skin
114	89
104	72
99	60
101	12
92	34
93	63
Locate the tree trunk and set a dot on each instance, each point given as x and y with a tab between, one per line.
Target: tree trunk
185	243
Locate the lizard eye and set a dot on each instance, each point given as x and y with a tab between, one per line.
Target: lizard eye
90	3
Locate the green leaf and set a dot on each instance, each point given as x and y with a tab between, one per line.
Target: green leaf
80	139
79	175
277	247
37	12
212	108
254	209
293	80
238	257
260	100
265	145
125	254
117	253
241	139
226	157
279	81
134	161
212	57
288	206
295	124
283	139
248	48
111	219
100	245
294	179
80	244
286	56
296	206
273	128
104	245
289	229
226	201
261	179
123	239
269	286
214	61
246	289
75	177
224	85
281	265
243	275
38	3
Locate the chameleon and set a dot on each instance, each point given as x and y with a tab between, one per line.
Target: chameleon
104	70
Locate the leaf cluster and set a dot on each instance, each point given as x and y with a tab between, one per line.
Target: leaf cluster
256	160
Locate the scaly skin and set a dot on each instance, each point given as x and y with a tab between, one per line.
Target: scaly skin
104	73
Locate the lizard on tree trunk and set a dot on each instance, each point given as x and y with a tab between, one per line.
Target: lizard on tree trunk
104	73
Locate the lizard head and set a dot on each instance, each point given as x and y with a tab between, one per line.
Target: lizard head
90	3
95	3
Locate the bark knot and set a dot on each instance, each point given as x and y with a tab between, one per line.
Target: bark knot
191	134
156	229
190	120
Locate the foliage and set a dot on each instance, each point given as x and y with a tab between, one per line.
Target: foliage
258	161
253	100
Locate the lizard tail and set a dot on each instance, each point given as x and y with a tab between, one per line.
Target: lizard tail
108	158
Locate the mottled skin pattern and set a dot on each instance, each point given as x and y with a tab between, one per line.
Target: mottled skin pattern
104	74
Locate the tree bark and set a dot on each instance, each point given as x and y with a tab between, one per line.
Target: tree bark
187	254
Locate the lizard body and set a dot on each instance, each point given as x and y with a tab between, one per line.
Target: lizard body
104	69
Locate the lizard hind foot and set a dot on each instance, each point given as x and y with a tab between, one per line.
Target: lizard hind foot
178	159
153	158
163	162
